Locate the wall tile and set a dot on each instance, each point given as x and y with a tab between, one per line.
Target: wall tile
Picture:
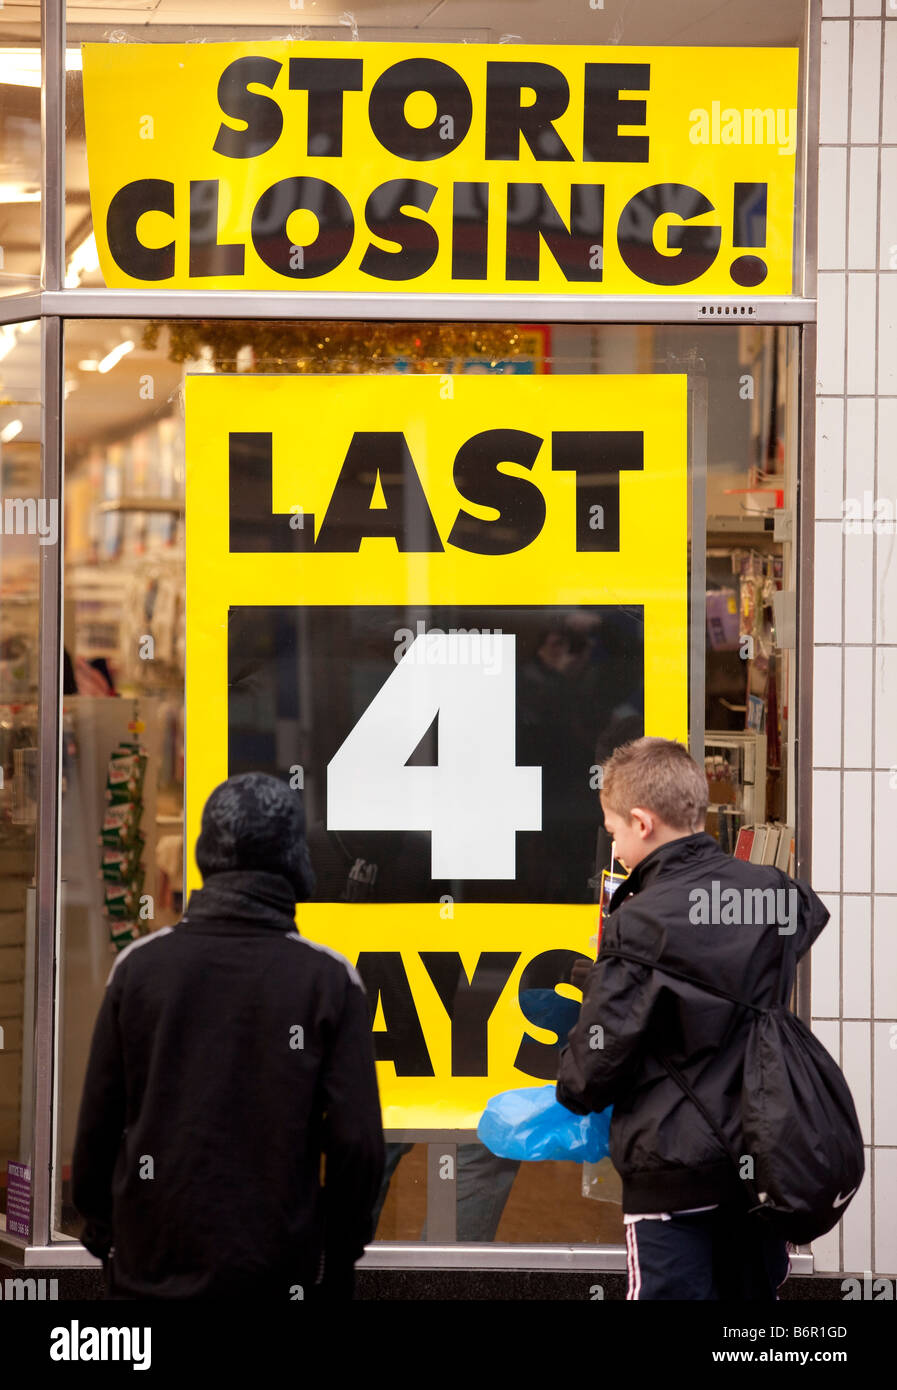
856	955
828	1032
825	963
829	500
867	7
885	832
832	252
827	1252
887	225
856	1041
859	472
887	335
889	87
864	94
827	706
858	707
857	833
832	326
862	230
861	298
858	569
886	708
885	588
826	832
827	582
887	444
856	1225
885	1085
834	78
885	1185
884	973
835	7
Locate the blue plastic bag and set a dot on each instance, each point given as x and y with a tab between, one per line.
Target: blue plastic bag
532	1124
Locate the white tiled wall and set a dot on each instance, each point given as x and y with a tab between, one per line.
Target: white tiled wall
854	840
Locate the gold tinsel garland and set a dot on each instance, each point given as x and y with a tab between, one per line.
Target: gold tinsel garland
335	348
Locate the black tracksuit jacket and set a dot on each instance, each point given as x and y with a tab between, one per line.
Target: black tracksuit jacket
228	1054
666	1153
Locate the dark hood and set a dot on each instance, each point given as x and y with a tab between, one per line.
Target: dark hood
256	823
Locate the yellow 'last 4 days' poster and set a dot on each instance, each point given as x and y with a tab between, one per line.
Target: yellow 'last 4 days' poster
434	604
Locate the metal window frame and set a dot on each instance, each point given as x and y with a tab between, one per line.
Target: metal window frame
54	304
444	308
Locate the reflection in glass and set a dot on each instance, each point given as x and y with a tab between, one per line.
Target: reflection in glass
20	156
300	678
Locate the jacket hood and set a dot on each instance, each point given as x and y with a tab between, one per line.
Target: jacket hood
256	822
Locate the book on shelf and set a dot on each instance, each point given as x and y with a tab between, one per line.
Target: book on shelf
785	854
770	849
744	842
759	845
767	844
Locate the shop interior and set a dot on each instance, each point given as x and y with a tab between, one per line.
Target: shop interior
124	645
123	608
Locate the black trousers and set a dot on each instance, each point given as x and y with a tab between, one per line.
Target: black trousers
724	1254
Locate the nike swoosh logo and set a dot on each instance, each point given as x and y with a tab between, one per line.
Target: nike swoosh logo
839	1200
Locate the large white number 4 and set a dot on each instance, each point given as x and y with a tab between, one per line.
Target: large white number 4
476	798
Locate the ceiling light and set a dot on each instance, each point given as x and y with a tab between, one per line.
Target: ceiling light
20	67
7	339
10	431
117	353
84	259
19	193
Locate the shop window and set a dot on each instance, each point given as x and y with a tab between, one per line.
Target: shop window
295	671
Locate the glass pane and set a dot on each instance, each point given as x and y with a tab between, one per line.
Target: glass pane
299	673
20	155
123	581
26	523
742	23
401	1211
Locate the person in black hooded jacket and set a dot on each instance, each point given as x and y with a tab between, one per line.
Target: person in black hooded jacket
229	1054
688	908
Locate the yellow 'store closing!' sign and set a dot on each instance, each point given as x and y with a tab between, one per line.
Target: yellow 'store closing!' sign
435	603
440	168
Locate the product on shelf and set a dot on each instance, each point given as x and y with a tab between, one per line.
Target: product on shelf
121	867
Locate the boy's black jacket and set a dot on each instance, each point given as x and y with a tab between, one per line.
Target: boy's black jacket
205	1110
663	1148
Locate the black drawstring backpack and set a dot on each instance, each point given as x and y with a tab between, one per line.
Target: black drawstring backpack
799	1123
